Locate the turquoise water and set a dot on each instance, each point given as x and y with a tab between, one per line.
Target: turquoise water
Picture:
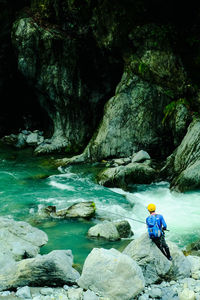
28	183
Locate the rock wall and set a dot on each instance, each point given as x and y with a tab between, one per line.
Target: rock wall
78	56
182	167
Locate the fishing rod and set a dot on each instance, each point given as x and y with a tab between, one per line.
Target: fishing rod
122	216
127	217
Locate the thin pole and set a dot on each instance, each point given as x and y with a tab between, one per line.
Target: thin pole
126	217
122	216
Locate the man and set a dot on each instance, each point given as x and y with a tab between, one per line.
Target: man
156	226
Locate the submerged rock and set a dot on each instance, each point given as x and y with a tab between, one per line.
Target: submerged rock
84	210
78	210
112	274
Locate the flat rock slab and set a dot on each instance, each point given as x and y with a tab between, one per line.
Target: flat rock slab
78	210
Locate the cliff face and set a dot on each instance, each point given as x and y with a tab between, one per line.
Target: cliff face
105	72
72	80
19	106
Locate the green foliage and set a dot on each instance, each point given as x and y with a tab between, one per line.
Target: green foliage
171	108
142	68
93	205
42	6
169	93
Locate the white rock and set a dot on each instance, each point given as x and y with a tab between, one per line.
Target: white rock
24	292
112	274
19	239
186	294
90	295
75	294
155	293
46	291
32	139
5	293
140	156
106	230
195	266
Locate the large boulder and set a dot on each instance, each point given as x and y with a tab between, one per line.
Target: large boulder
106	230
54	268
112	274
111	231
19	239
122	176
181	266
195	266
182	167
155	266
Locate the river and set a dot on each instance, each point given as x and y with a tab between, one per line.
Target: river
28	182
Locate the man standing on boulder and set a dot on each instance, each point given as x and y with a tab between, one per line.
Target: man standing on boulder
156	226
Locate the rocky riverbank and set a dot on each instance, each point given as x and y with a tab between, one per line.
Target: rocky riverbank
140	272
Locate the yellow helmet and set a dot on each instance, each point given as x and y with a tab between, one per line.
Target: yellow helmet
151	207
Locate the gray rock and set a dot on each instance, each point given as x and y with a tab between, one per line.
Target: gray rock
19	239
140	156
21	140
108	273
60	82
195	266
144	297
133	173
55	267
182	167
75	294
10	139
155	293
179	123
24	292
123	228
78	210
181	267
46	291
154	264
187	294
32	139
90	295
106	230
156	267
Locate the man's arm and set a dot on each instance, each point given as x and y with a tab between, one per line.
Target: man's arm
164	225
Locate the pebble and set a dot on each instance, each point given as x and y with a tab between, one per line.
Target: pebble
24	292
